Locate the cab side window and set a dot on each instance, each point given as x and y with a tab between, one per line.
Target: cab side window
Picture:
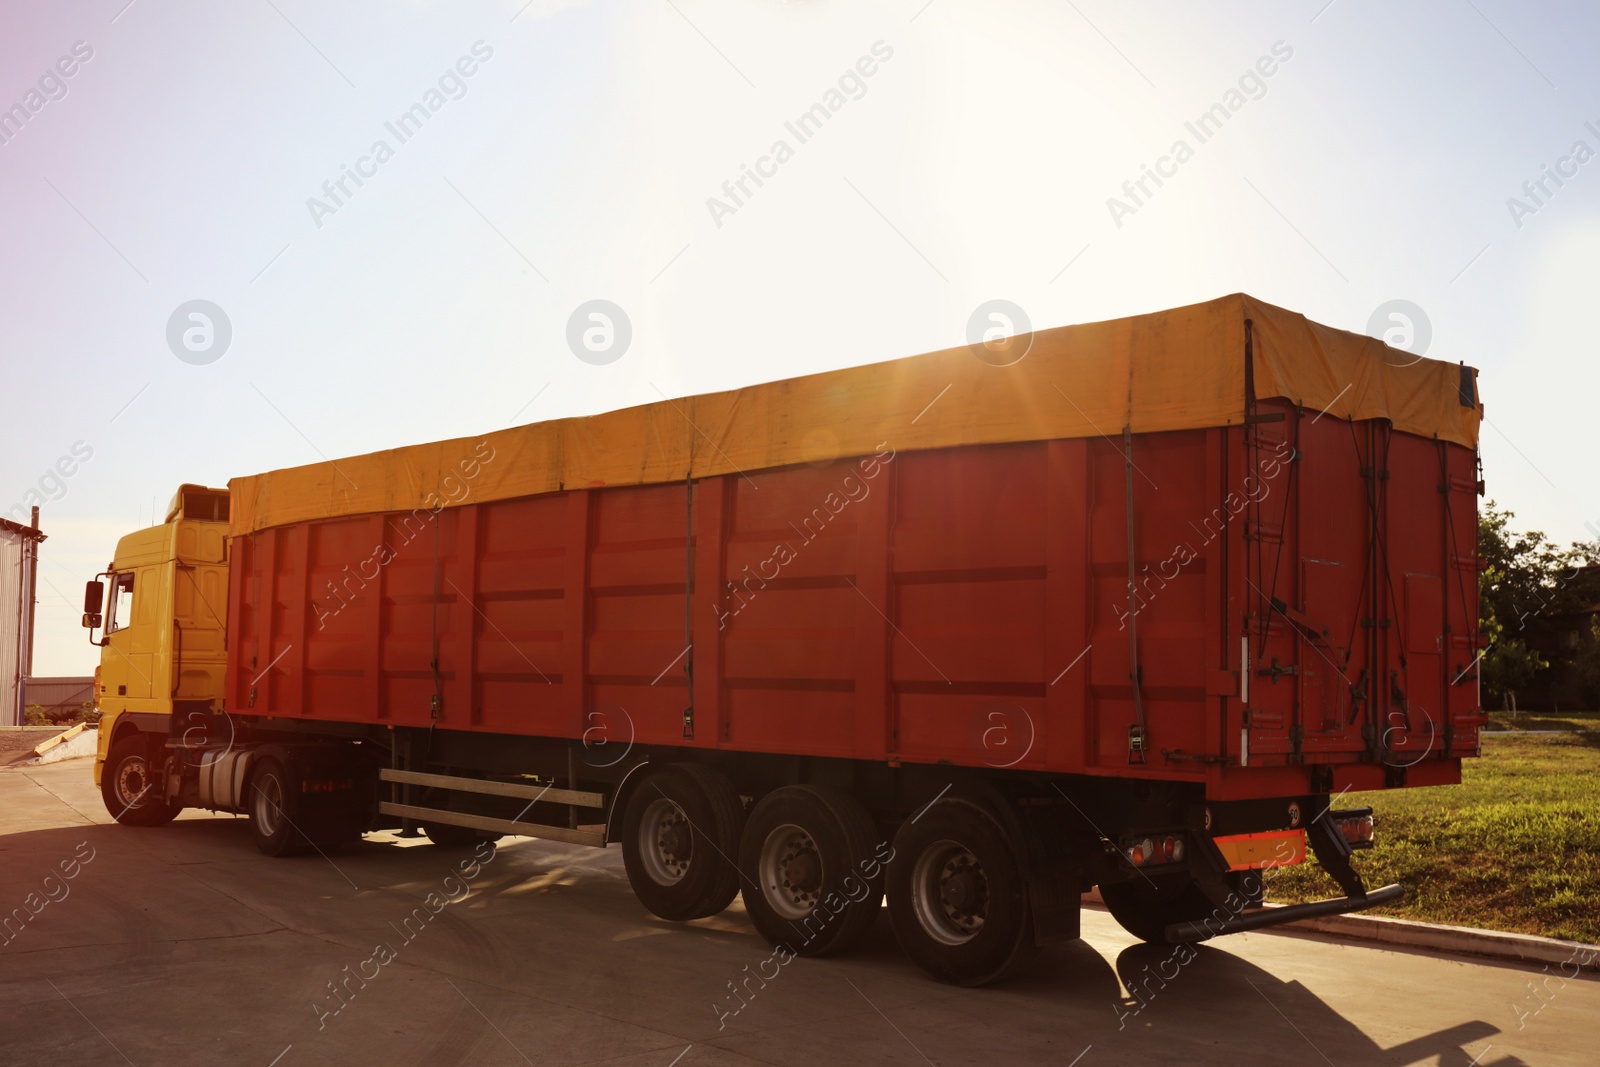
121	613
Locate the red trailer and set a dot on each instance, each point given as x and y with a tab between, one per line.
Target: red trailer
1127	604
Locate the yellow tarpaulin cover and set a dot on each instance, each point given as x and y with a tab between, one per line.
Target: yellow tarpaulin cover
1171	370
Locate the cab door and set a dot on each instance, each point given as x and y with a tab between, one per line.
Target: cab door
132	637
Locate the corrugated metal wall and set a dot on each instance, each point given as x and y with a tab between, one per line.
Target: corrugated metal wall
58	696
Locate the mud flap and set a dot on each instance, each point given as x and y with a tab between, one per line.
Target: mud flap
1055	901
1055	873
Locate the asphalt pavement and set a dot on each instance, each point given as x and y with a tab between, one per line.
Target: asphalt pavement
184	945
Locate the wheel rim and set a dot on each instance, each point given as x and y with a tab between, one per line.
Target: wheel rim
133	781
791	871
269	804
666	842
950	893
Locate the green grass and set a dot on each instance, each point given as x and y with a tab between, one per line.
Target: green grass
1515	846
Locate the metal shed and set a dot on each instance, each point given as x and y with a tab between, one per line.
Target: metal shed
19	561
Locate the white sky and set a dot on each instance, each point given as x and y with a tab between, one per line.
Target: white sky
177	166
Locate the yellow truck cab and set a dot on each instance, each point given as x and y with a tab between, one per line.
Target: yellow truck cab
159	613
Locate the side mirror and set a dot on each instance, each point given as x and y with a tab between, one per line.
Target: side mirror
94	598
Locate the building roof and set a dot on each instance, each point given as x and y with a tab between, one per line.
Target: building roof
18	528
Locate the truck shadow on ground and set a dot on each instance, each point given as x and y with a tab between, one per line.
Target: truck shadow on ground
1171	986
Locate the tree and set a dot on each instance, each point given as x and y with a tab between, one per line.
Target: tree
1589	666
1526	584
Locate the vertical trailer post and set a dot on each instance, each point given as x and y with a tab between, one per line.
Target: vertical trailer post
1136	733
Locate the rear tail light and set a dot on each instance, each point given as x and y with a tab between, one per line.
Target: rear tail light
1356	827
1154	850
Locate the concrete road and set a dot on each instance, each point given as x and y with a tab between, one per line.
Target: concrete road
183	945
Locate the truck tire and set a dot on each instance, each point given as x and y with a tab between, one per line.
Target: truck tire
679	835
957	895
730	821
274	810
813	881
128	784
1146	906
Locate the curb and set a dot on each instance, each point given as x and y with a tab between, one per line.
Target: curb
1456	940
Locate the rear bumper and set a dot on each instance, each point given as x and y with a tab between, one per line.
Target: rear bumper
1205	929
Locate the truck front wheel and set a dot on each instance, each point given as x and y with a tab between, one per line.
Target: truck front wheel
130	786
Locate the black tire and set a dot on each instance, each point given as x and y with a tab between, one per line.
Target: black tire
873	851
129	785
957	895
729	818
679	835
274	810
812	864
1145	907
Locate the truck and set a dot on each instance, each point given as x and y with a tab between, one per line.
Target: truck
1128	604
